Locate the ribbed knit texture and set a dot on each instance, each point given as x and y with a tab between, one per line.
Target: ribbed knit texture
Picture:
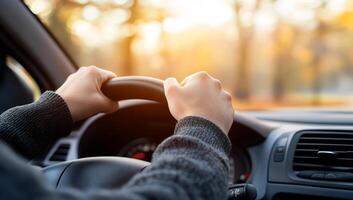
191	164
31	129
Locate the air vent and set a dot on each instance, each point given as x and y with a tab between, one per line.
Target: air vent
324	155
60	153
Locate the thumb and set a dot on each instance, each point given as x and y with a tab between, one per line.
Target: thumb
105	75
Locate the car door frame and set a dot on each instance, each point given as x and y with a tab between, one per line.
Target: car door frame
32	44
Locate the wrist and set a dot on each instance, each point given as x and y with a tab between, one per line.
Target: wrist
224	128
205	130
69	103
59	105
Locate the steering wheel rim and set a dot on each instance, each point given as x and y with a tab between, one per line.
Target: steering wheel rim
135	87
116	171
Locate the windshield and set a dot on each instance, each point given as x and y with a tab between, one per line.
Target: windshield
268	53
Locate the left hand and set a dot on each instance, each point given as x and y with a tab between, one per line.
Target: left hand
82	92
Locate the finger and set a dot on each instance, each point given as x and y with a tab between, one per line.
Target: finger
111	106
186	79
82	68
198	76
171	85
227	95
217	83
107	105
105	75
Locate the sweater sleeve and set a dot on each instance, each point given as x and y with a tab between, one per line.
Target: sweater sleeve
190	165
30	129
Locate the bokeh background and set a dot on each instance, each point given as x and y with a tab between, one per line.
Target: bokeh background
268	53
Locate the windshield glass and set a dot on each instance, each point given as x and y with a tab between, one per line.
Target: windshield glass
268	53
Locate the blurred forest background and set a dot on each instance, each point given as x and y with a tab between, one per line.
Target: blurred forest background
268	53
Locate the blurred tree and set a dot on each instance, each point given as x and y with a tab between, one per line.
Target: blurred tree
319	48
305	50
58	19
246	33
142	13
127	64
284	40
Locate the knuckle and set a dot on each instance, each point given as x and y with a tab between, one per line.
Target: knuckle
172	89
203	74
83	68
71	75
228	95
218	83
92	70
92	67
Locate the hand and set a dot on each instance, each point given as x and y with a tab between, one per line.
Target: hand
200	95
82	92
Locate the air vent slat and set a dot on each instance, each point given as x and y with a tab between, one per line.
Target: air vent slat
323	144
327	140
328	135
339	162
346	159
327	147
60	153
320	167
324	152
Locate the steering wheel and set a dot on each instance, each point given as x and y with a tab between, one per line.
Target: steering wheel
107	172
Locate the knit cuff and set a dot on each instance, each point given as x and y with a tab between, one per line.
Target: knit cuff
54	103
204	130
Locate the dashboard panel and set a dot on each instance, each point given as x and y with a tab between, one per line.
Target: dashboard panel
276	179
262	151
139	135
143	149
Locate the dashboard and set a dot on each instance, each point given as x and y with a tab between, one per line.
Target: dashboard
139	135
282	160
143	149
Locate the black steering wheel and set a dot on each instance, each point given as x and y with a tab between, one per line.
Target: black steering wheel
107	172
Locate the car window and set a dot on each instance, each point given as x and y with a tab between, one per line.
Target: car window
17	87
268	53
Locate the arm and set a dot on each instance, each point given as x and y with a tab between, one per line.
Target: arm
31	129
192	164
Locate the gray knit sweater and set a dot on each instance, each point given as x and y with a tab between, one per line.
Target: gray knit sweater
191	164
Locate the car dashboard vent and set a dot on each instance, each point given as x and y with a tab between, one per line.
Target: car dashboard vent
325	156
60	153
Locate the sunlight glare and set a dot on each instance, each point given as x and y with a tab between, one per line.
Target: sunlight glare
211	13
122	2
39	7
90	13
337	6
173	25
150	34
265	20
82	1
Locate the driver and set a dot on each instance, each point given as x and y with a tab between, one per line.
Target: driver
190	164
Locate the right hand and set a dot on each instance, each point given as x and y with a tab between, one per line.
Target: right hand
202	96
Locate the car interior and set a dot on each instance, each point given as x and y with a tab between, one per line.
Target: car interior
281	154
